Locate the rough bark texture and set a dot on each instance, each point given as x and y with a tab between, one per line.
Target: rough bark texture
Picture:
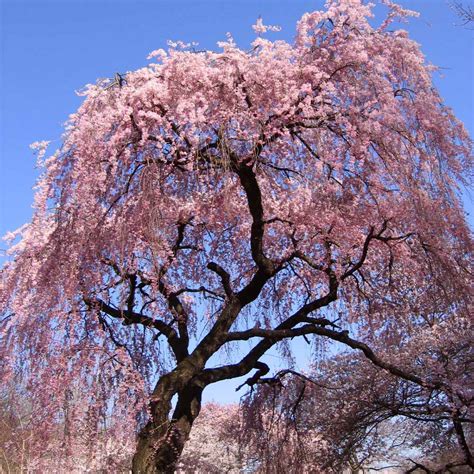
162	440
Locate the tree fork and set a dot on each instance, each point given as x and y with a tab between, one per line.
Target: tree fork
162	440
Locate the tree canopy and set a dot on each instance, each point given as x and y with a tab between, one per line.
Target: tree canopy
305	189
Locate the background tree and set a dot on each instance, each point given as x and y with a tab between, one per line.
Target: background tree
293	190
367	418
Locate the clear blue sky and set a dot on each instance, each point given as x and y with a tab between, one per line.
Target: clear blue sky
50	48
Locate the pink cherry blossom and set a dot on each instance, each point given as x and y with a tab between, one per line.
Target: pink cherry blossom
306	189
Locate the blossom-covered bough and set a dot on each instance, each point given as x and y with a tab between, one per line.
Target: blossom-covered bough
305	189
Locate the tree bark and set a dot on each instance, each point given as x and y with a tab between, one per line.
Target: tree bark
162	440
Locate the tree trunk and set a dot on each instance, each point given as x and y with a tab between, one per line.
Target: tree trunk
162	441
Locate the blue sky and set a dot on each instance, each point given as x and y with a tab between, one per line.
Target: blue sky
50	48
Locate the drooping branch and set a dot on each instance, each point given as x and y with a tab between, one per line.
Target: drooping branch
315	155
464	12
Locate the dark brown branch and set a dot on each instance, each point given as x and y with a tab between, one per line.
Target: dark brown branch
360	262
248	362
343	337
266	269
174	303
262	369
201	289
340	336
129	317
418	466
224	276
462	441
131	294
283	373
254	199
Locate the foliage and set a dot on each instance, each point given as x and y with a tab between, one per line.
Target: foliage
210	198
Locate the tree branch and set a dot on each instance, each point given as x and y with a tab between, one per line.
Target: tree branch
249	182
130	317
224	276
340	336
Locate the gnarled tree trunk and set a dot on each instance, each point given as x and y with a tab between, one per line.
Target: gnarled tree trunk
162	440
